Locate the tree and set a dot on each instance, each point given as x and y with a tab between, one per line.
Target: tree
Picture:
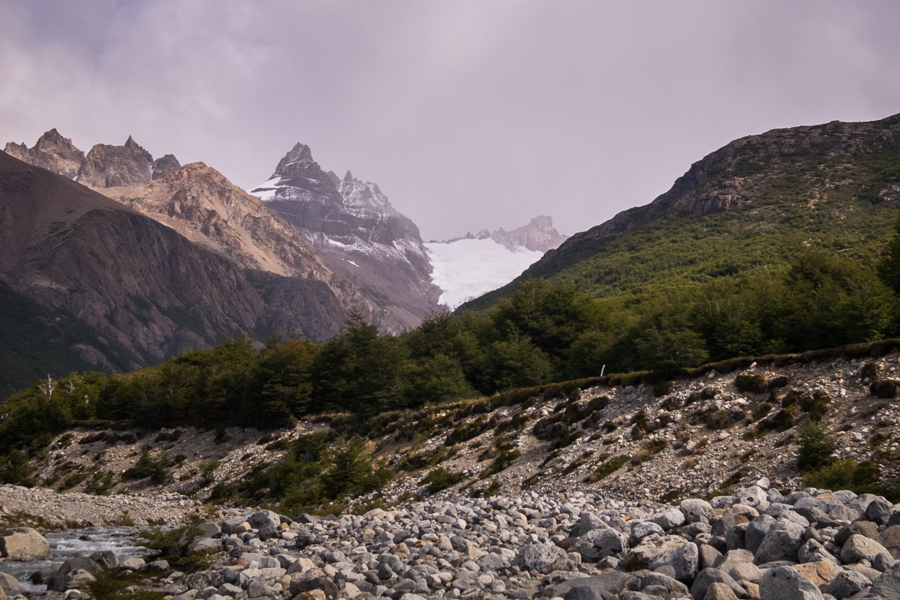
889	267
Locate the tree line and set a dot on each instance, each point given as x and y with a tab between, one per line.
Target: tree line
547	331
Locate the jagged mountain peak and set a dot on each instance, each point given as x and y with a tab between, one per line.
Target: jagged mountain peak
300	154
52	151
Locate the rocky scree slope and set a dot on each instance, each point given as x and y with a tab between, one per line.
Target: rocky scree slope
357	232
747	205
702	436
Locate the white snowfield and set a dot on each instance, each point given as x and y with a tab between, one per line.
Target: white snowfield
469	268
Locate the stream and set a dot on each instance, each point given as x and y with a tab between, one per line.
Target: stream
68	543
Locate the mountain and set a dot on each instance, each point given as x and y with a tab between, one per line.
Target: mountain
137	289
104	166
301	294
749	205
472	265
356	232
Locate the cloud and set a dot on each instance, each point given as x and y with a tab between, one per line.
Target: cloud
468	114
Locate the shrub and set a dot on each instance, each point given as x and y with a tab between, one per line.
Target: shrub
100	484
648	451
816	447
778	383
662	388
719	419
762	410
14	469
884	389
756	384
441	479
607	468
156	468
869	371
207	468
816	405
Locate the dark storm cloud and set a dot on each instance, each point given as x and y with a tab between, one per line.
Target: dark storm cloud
468	114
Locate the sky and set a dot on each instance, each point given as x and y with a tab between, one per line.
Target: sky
468	114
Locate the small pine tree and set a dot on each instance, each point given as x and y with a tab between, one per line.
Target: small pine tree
816	447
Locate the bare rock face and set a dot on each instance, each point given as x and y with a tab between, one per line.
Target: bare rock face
538	236
163	166
301	294
358	234
111	166
53	152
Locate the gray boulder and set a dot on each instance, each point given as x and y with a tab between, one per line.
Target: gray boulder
600	543
848	583
781	542
756	532
541	558
668	519
23	543
786	583
858	547
888	584
697	510
707	577
684	561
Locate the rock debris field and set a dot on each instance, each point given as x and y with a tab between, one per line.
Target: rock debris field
756	543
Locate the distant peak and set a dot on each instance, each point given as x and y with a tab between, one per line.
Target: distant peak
348	176
130	143
300	152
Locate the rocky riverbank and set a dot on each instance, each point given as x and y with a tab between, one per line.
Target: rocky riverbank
49	508
756	544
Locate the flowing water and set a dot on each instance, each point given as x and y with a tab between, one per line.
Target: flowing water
68	543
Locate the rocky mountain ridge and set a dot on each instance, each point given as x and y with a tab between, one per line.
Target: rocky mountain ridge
539	235
357	231
104	166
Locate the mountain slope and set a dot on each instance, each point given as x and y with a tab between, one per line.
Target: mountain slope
356	232
136	284
749	205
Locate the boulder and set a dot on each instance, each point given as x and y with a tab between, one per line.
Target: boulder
848	583
23	543
888	584
600	543
668	519
858	547
684	561
62	580
697	510
820	573
707	577
608	582
719	591
640	556
8	583
541	558
781	542
786	583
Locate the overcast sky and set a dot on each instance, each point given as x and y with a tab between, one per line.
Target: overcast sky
468	114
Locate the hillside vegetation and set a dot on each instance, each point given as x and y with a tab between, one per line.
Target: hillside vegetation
746	209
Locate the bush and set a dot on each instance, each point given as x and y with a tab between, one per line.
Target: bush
816	405
608	468
816	448
156	468
662	388
755	384
440	479
884	389
14	469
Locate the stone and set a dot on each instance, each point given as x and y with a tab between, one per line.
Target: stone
707	577
683	559
858	547
781	542
641	529
820	573
203	544
848	583
600	543
78	578
9	583
696	510
888	583
668	519
879	511
542	558
786	583
588	522
23	543
132	564
709	556
753	496
863	528
608	582
643	580
890	537
640	556
756	531
719	591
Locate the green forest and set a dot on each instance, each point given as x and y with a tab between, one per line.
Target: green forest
545	332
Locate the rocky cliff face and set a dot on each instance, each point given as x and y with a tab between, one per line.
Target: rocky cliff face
143	287
104	166
301	294
357	233
53	152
